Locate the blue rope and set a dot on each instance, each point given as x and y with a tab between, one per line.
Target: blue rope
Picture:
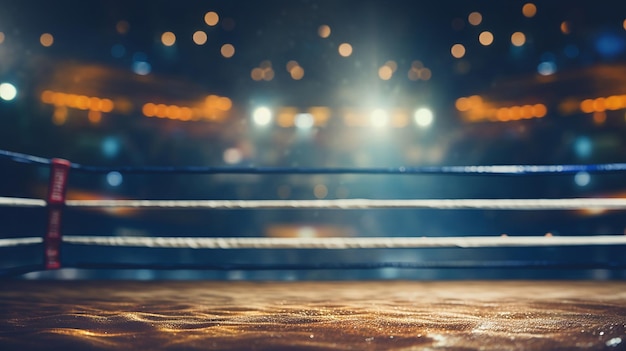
24	158
457	170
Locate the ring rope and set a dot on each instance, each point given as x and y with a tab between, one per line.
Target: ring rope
479	204
11	242
344	243
58	180
458	170
21	202
335	243
483	204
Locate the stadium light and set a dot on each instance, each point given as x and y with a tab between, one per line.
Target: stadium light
262	116
379	118
423	117
8	91
304	121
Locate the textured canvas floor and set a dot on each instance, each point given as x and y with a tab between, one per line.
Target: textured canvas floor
381	315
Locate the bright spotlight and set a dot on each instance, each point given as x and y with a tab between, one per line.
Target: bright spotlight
423	117
379	118
304	120
262	116
8	91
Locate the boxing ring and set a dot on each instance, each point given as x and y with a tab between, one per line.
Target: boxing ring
313	315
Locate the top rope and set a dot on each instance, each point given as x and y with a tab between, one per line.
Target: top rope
457	170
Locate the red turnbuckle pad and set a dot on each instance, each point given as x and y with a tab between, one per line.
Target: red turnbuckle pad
59	170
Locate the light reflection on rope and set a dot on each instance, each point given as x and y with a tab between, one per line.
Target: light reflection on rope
336	243
345	204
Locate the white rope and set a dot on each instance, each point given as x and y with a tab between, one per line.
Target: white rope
10	242
20	202
485	204
327	243
344	243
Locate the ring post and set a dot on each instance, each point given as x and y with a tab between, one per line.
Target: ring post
59	170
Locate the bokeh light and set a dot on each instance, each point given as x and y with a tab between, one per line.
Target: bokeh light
142	68
423	117
599	117
392	64
46	39
106	105
291	65
385	72
379	118
8	91
304	120
485	38
268	74
546	68
457	50
475	18
610	44
323	31
224	103
262	116
540	110
263	72
518	39
294	69
227	50
168	38
583	147
565	27
110	147
418	71
2	37
345	49
211	18
297	73
59	117
529	10
199	37
114	179
232	156
582	179
256	74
